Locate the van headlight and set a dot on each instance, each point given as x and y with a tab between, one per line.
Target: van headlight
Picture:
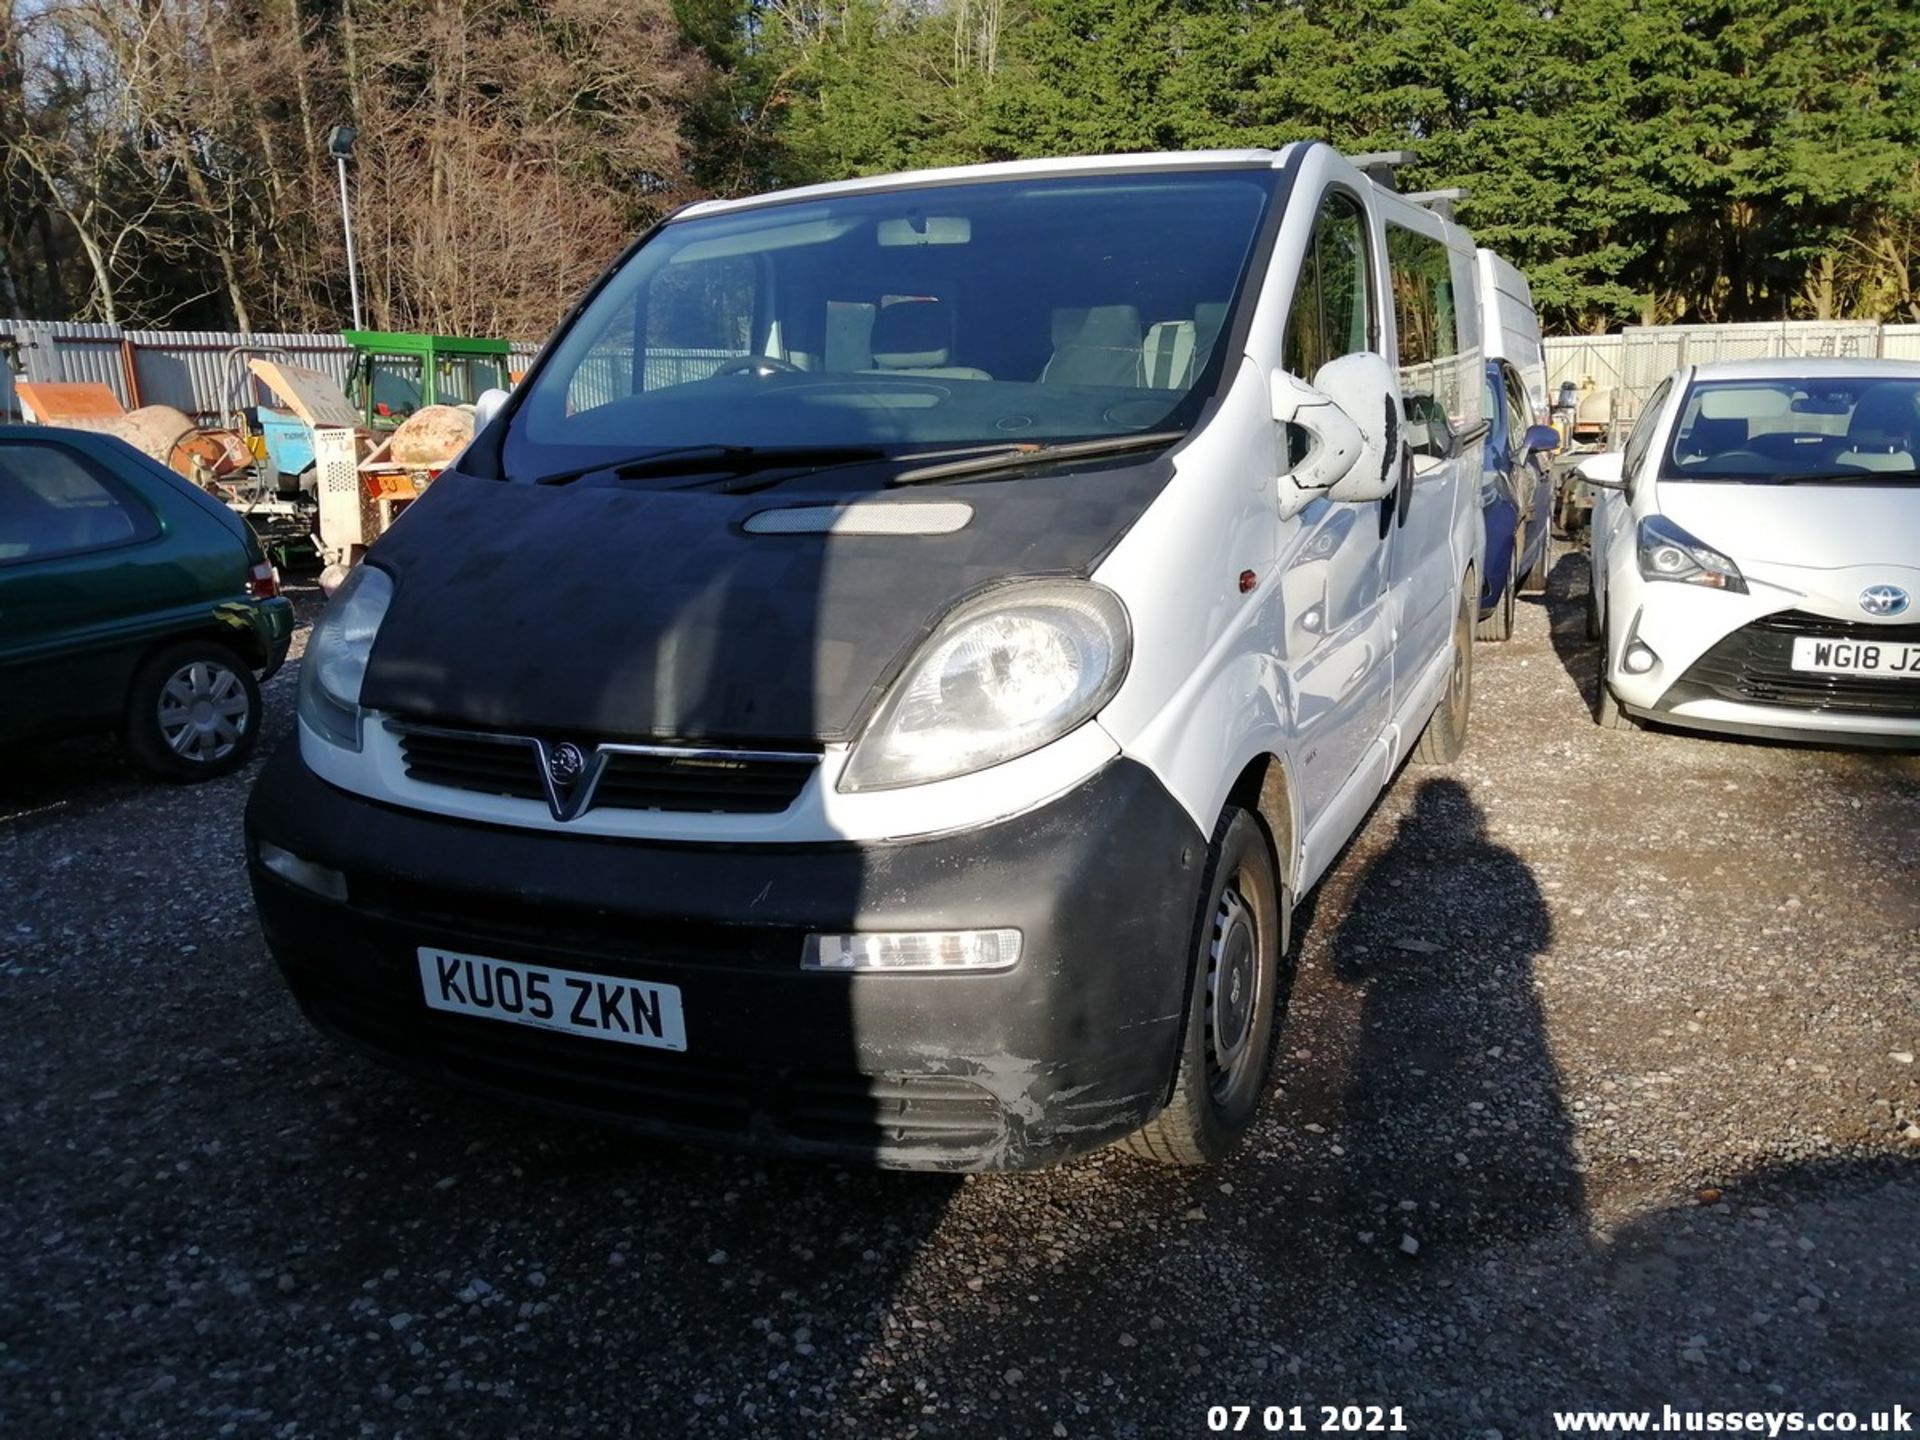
1666	552
1005	673
336	660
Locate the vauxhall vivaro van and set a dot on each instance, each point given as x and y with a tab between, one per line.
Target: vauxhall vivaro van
880	684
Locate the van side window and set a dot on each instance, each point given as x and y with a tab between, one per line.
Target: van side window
1332	313
54	503
1427	317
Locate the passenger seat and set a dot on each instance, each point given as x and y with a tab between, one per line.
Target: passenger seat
1177	350
1098	346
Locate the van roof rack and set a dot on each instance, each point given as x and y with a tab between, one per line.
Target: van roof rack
1379	165
1382	166
1441	202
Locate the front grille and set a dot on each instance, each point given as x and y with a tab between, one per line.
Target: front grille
725	1099
1754	666
487	764
679	779
721	783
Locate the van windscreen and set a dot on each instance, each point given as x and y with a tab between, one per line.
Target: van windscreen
1031	310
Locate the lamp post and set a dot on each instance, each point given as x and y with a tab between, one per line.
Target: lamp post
340	145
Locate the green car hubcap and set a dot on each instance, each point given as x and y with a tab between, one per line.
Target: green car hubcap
203	711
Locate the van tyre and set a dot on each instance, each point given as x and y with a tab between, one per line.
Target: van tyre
1446	733
1534	582
193	712
1498	625
1239	965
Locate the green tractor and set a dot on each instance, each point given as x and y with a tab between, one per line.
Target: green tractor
395	374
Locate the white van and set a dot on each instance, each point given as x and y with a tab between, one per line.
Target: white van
1511	329
879	686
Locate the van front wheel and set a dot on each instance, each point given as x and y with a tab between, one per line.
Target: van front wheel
1240	949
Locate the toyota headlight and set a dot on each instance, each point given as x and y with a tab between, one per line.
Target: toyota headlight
1666	552
1004	674
336	660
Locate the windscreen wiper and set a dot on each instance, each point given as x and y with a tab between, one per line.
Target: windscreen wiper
732	459
1016	457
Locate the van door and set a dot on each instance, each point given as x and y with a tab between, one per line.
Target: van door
1532	478
1436	333
1337	640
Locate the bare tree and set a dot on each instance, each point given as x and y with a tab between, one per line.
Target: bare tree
506	148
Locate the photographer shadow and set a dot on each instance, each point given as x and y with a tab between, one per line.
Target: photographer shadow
1453	1100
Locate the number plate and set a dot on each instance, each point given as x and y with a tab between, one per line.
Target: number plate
603	1007
1856	657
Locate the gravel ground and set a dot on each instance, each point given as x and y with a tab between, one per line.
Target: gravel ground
1599	1089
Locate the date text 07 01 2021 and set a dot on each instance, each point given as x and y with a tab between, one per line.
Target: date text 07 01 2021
1307	1419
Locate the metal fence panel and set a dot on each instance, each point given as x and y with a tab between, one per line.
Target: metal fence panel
57	350
1900	342
1579	357
187	369
191	369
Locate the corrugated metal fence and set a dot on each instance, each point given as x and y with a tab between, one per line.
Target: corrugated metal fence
187	369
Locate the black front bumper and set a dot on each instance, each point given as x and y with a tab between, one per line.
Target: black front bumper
1070	1049
1754	666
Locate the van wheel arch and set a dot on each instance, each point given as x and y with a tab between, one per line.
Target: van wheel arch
1263	788
1444	735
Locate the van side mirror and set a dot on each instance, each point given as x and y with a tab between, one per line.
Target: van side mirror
1606	471
486	407
1542	439
1350	419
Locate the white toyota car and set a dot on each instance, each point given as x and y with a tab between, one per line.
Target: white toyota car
1756	553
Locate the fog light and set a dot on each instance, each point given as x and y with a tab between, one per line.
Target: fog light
914	950
329	884
1639	659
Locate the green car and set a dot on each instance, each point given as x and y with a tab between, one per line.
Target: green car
130	600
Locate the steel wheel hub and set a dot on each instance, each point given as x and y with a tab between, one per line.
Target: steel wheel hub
203	711
1233	989
1457	681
